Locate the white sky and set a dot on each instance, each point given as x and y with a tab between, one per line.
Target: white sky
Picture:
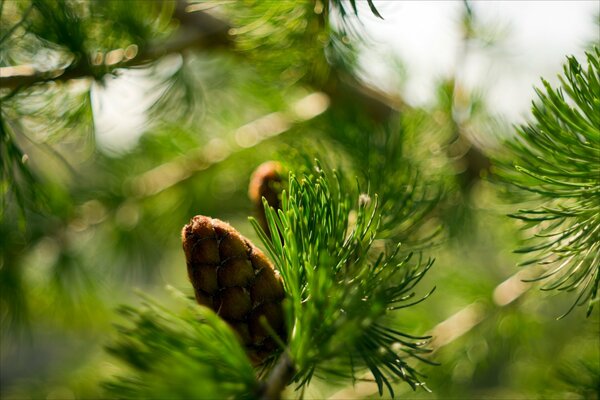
425	36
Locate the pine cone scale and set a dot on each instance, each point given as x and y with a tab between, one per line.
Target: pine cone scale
234	278
235	272
205	276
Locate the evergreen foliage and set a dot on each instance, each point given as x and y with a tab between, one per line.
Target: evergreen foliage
340	287
228	85
381	161
557	162
187	355
341	291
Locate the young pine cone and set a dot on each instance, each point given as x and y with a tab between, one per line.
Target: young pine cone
265	182
234	278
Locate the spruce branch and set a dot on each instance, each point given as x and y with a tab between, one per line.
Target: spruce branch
557	169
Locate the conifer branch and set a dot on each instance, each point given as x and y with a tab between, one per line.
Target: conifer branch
452	328
339	288
339	293
278	379
557	171
198	29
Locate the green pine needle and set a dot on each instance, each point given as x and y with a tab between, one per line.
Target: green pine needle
190	354
343	287
558	165
342	284
342	4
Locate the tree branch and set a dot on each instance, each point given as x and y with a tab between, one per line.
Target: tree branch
278	379
201	30
198	29
183	167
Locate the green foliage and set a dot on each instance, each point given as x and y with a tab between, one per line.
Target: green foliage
15	177
377	154
407	197
51	34
342	5
78	229
67	35
583	378
558	165
342	284
295	41
188	355
285	41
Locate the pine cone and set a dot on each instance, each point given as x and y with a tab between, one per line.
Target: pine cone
265	182
234	278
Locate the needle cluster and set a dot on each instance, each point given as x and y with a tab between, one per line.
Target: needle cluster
558	169
342	284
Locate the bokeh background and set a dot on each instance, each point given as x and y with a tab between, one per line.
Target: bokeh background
117	162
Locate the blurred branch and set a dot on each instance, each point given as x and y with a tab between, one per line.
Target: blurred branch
181	168
198	29
380	106
201	30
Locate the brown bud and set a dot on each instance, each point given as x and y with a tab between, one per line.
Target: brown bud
265	182
234	278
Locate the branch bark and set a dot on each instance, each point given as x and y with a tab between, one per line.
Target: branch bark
278	379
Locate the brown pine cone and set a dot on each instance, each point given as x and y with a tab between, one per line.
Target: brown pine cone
234	278
265	182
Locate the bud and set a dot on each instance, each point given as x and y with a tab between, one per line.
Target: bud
265	182
234	278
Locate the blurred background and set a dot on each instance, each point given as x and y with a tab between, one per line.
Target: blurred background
123	119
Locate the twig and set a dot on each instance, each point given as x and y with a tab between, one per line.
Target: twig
197	30
278	379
